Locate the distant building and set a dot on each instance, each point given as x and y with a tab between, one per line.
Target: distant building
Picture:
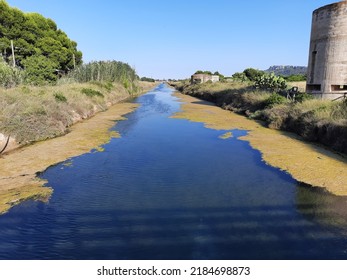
327	67
203	78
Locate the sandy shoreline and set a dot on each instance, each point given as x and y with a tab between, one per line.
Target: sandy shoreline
306	162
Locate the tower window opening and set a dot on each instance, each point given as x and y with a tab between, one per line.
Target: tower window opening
338	87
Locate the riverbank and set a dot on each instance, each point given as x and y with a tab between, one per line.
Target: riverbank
19	168
320	121
307	163
29	114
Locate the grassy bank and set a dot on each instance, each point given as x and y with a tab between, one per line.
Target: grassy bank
319	121
29	114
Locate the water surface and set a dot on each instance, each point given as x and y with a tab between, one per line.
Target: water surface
173	189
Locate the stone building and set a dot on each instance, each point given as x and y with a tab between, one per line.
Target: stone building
203	78
327	65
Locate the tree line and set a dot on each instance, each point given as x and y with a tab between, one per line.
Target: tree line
37	44
43	53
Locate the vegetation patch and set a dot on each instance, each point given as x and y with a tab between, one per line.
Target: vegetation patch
91	92
60	97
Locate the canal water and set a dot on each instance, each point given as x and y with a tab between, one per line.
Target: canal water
173	189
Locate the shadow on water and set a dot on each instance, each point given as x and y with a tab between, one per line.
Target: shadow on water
219	233
322	207
172	189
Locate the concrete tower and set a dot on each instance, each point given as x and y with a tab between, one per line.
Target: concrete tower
327	65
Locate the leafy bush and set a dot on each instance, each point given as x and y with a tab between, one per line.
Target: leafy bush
275	99
39	70
240	76
9	76
91	92
253	74
270	82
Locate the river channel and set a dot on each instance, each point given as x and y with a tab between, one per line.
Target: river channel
174	189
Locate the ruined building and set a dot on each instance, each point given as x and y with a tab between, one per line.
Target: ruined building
327	66
203	78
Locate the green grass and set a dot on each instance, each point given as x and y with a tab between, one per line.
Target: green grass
91	92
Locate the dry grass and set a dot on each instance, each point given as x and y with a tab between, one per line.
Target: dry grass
32	114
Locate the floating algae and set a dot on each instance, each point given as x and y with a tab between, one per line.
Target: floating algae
306	162
226	135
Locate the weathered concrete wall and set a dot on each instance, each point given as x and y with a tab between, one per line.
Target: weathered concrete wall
203	78
327	66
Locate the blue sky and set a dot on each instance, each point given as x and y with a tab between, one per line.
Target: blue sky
173	39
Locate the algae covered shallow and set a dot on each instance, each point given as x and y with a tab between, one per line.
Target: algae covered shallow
306	162
19	169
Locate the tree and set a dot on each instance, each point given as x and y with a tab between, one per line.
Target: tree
221	77
203	72
145	79
253	74
240	76
34	35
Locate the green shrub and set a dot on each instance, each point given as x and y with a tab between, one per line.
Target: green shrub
275	99
9	76
39	70
270	82
60	97
253	74
239	76
296	78
301	97
91	92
